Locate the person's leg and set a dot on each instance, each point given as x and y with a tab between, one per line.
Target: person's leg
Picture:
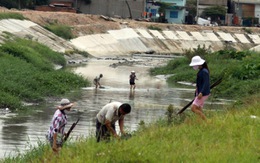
198	111
98	130
197	106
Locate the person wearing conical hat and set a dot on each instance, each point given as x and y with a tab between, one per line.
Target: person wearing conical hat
56	130
202	85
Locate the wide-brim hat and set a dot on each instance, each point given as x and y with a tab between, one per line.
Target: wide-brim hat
133	71
197	61
64	104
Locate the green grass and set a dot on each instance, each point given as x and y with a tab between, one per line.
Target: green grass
27	74
241	71
8	15
60	30
227	136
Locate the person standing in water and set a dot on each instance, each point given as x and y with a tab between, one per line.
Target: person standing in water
96	81
202	85
132	79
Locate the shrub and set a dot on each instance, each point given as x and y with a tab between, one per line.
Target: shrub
60	30
6	15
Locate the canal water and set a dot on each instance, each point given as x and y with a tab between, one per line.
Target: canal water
149	102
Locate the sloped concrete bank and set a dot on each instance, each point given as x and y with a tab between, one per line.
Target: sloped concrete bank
127	41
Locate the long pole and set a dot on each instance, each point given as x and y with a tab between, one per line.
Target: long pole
212	86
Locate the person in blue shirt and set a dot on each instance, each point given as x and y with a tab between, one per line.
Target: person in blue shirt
202	85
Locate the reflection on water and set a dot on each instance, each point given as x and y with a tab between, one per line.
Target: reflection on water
149	102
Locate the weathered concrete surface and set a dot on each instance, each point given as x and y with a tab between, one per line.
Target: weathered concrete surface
28	29
127	41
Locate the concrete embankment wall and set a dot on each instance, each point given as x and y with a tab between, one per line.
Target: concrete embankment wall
30	30
128	41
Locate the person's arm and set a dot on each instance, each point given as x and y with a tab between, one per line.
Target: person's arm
121	125
111	130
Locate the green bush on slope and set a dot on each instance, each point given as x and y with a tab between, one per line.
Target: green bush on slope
28	73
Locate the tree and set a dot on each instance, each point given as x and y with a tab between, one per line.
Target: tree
191	7
214	12
20	4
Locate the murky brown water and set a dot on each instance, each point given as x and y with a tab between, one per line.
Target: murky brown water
149	102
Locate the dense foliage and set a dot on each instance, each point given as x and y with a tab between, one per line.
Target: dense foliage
241	71
215	12
28	75
20	4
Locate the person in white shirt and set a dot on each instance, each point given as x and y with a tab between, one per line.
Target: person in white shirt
106	118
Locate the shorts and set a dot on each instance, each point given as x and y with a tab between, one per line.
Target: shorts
200	102
132	83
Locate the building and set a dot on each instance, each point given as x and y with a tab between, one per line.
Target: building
119	8
61	6
202	4
134	9
248	11
174	11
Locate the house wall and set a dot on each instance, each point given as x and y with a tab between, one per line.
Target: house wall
180	19
175	2
247	1
213	2
257	12
248	10
113	7
175	15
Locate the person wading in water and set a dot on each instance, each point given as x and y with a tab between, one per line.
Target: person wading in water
132	79
96	81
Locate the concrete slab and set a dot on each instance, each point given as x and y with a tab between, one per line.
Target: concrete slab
226	36
157	34
22	23
9	26
242	38
183	35
198	36
170	35
255	38
125	33
211	36
144	33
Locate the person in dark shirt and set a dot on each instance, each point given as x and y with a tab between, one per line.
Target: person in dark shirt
132	79
202	85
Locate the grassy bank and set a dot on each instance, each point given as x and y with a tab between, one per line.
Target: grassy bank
28	75
228	136
6	15
241	71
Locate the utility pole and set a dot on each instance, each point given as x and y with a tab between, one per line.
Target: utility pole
197	15
19	4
